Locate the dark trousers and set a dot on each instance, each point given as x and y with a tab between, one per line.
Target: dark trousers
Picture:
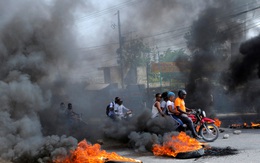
186	120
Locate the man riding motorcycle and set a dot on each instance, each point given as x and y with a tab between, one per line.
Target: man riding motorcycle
121	111
182	112
112	108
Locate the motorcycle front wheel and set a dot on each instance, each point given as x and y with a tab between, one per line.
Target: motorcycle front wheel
209	132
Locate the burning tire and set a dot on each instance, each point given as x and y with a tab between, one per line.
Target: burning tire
209	132
191	154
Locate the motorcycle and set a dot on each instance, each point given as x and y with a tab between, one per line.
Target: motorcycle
204	126
127	116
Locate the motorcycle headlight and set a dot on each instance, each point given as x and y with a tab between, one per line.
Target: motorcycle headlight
203	113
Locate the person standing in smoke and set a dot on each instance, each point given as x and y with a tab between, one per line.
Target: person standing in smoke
156	108
62	108
61	113
182	112
71	115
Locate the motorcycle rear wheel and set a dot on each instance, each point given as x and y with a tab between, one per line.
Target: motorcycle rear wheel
209	132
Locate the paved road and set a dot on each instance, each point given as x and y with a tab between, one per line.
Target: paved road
247	143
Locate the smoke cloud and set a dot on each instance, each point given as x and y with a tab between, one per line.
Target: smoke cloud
246	67
208	42
243	75
39	56
37	49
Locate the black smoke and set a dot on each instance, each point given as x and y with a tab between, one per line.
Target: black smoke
247	65
244	73
140	122
37	50
208	42
38	53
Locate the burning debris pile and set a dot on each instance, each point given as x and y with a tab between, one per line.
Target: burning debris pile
87	153
245	125
172	144
179	146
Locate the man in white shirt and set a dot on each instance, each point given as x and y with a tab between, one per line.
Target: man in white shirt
112	108
121	110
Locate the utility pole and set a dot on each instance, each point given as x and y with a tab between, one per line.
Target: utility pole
159	65
120	50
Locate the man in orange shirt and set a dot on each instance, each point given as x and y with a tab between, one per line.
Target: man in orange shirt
182	112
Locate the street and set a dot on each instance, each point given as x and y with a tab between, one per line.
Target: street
247	144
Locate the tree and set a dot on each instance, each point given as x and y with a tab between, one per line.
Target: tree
171	56
178	56
134	53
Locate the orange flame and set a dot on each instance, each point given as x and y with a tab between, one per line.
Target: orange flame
177	144
245	125
217	122
255	124
88	153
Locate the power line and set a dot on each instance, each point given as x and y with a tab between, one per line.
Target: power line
178	29
251	26
102	13
234	15
99	46
243	12
181	31
234	29
108	10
